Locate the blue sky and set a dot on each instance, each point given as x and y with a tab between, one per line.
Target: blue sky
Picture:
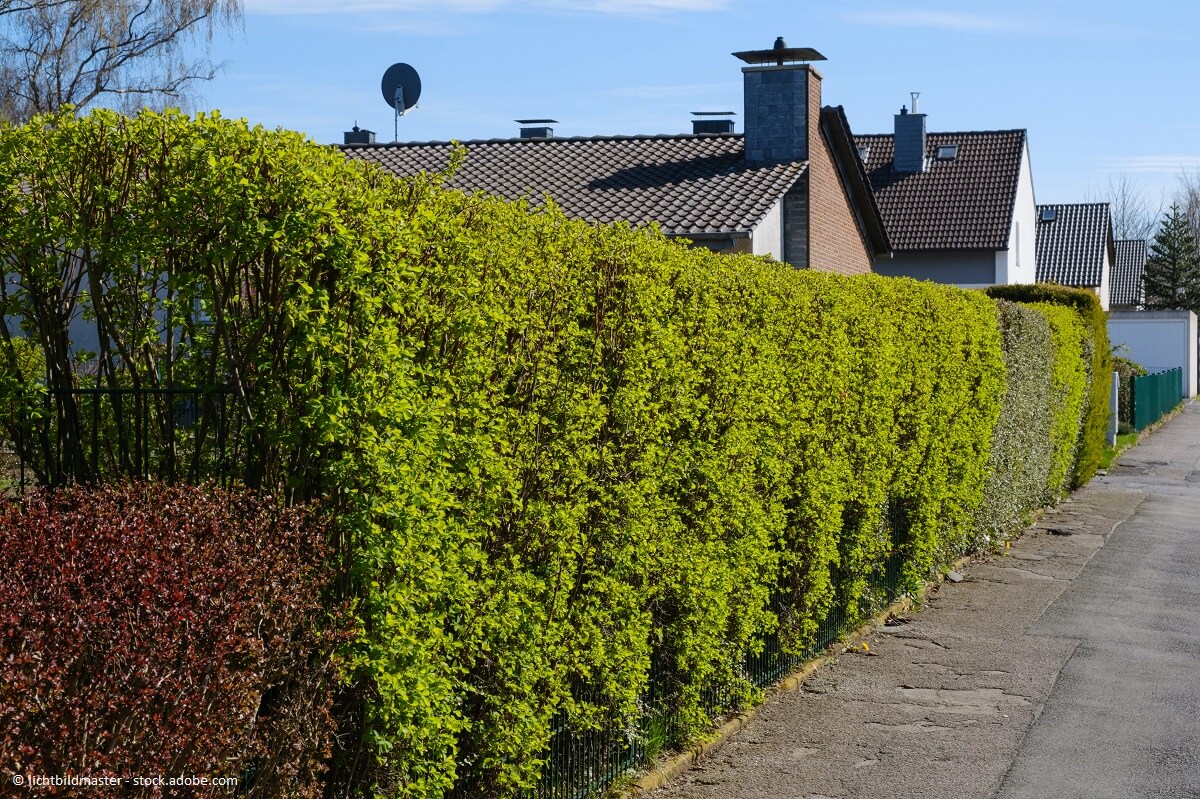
1102	87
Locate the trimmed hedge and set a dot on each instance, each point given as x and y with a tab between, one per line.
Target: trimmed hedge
558	454
149	630
1069	395
1099	362
1023	448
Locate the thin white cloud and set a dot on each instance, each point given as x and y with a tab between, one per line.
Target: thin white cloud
629	7
1159	164
946	20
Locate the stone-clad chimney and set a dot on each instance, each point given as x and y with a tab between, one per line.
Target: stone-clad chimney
910	141
781	91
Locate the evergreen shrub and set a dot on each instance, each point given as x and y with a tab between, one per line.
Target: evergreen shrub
1023	447
1069	394
1099	364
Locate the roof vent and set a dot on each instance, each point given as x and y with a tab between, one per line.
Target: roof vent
1049	214
537	128
712	122
357	135
947	152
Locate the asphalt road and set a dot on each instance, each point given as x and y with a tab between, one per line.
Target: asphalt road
1068	667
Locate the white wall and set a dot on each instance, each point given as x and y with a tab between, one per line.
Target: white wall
1157	340
1105	281
1017	264
768	233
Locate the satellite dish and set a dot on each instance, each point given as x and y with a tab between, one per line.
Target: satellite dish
401	87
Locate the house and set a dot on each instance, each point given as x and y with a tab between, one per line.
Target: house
958	207
1075	247
791	186
1125	290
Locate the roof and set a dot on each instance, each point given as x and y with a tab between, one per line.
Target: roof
1071	248
688	184
854	177
1125	286
961	204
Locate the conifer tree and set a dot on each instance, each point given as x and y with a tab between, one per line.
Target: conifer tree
1172	276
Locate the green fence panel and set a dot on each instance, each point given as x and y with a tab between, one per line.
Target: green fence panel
1154	395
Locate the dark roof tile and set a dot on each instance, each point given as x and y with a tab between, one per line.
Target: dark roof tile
1070	249
1125	284
688	184
965	203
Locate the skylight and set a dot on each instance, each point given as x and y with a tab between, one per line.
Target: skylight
863	152
947	152
1049	214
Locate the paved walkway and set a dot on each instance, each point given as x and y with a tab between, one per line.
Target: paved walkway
1069	667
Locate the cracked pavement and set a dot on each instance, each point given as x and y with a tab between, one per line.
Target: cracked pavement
1065	666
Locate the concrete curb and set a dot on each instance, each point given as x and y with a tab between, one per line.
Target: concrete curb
665	771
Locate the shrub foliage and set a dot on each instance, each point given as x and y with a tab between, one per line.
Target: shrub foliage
1023	449
1098	364
557	454
164	631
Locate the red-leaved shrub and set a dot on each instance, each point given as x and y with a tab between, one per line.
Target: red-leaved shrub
164	631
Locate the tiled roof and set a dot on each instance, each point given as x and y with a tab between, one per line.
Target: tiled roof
961	204
1125	285
1071	248
689	184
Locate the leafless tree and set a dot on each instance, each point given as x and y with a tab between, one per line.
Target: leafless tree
1134	212
1188	197
123	53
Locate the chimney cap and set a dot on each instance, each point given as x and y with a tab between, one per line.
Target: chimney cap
535	121
777	54
714	113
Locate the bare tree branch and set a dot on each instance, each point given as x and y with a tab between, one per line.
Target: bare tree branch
1134	213
79	52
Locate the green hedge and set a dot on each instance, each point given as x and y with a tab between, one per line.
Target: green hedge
1099	362
558	453
1023	448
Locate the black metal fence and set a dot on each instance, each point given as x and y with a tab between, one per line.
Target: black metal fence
582	763
83	435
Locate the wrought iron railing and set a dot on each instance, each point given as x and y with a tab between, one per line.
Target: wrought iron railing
83	435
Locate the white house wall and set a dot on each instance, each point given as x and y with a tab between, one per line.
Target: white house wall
1018	264
1105	281
1158	340
767	238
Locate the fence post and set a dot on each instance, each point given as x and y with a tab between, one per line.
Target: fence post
1114	395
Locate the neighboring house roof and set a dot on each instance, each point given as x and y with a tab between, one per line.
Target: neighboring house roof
1071	247
854	177
1130	262
964	203
689	184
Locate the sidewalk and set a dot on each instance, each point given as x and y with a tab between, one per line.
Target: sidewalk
1066	668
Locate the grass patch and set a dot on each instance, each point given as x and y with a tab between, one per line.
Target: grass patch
1124	442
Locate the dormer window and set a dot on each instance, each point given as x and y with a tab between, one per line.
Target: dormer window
947	152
